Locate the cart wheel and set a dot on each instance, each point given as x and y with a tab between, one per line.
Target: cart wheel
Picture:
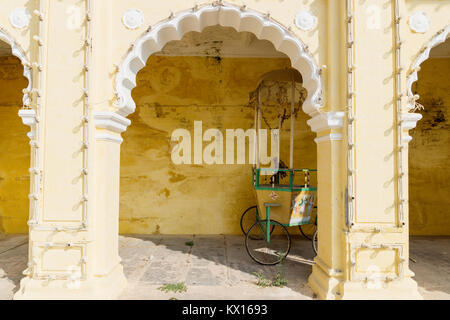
315	242
308	230
248	219
265	252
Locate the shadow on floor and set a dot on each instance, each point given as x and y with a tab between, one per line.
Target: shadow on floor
214	261
13	261
430	261
215	264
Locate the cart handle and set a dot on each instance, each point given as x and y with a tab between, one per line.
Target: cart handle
268	204
257	173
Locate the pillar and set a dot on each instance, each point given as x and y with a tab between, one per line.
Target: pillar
73	247
367	251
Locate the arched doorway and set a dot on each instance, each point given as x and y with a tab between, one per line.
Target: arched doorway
201	82
14	163
160	78
428	165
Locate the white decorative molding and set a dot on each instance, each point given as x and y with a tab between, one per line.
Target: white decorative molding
419	22
409	120
113	122
329	137
327	121
108	137
29	119
305	20
133	19
439	38
228	16
20	18
19	53
376	276
407	139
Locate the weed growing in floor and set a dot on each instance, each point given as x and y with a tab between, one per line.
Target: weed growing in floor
262	280
173	287
278	281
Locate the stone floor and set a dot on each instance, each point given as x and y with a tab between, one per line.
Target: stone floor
218	267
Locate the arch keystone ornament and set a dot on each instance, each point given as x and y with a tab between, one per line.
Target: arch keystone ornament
243	20
133	19
419	22
20	18
305	20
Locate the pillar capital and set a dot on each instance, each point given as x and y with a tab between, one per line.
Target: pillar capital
324	124
110	125
29	119
409	122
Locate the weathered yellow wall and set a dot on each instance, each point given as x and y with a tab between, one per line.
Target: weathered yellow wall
160	197
14	150
429	174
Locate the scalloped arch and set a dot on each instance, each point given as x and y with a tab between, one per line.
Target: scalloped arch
439	38
228	16
19	53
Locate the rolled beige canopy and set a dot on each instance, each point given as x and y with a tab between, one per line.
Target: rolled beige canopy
282	75
288	75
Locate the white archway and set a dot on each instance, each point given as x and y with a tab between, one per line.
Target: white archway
409	119
113	123
243	20
439	38
20	53
27	114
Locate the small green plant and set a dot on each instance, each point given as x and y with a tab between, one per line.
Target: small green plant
262	280
173	287
190	243
279	280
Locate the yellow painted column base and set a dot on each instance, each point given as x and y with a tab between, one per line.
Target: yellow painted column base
325	286
97	288
330	288
405	289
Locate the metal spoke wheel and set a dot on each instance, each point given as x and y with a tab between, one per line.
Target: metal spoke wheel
248	219
268	251
315	242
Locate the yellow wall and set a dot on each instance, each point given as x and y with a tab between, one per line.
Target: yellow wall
156	195
14	150
160	197
429	173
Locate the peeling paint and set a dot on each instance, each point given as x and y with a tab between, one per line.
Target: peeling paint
190	199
